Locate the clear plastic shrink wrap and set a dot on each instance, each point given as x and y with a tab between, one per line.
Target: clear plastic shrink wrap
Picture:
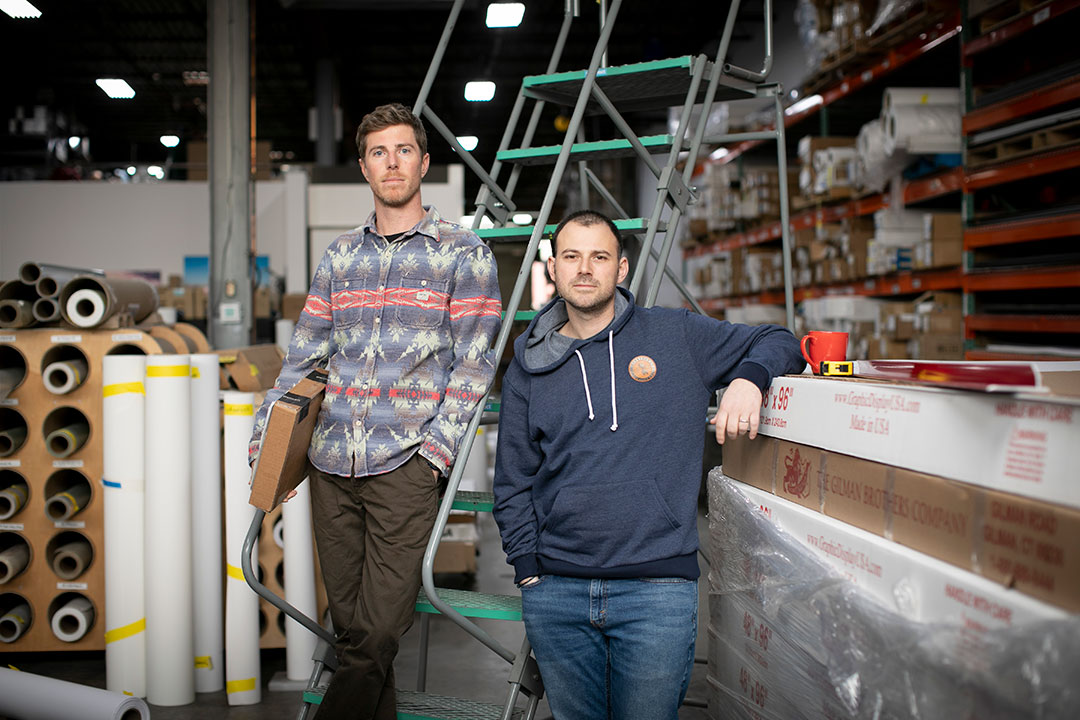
790	638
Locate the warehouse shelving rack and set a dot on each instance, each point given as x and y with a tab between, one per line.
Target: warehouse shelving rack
684	81
859	76
1026	279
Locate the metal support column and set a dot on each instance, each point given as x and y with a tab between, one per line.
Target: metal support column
230	316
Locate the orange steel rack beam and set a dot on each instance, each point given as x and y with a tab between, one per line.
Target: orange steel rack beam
1021	169
1052	277
1029	103
1022	323
1022	231
1019	26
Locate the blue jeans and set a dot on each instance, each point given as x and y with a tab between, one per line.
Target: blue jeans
613	649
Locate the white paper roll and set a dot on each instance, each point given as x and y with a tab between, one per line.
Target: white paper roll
899	97
13	560
279	532
243	684
71	559
12	499
168	315
25	695
123	419
283	332
170	669
922	129
63	376
299	582
206	524
14	622
73	619
86	308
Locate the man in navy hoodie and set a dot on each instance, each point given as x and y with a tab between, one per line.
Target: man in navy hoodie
598	471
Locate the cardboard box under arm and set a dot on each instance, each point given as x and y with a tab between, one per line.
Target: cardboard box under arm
282	459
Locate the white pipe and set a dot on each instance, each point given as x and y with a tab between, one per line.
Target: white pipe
63	376
123	419
242	676
170	670
73	620
14	622
206	523
299	582
85	308
71	559
25	695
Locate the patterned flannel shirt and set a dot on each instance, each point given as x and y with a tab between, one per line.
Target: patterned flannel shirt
405	330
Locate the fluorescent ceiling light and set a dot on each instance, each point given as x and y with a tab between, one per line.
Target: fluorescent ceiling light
479	90
803	105
719	153
156	171
115	88
131	170
19	9
521	219
170	141
506	14
468	141
73	141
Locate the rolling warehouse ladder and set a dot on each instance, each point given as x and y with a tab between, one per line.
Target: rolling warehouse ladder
685	82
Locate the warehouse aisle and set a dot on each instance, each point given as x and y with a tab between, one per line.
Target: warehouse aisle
458	665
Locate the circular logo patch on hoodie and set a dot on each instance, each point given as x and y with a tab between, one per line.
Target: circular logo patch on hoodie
643	368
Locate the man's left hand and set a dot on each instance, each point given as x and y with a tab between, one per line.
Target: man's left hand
740	410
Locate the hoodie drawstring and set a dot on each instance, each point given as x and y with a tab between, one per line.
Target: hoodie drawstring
611	370
585	381
611	363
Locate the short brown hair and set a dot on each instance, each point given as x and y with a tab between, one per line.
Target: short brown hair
386	116
586	218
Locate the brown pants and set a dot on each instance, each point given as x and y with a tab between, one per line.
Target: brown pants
371	533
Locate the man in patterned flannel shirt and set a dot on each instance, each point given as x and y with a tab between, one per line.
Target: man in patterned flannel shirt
402	312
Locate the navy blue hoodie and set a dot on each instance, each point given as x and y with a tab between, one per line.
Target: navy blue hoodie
600	446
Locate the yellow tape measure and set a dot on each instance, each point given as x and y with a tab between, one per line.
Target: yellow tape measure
833	367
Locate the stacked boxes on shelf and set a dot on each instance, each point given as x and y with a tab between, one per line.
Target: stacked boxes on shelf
876	532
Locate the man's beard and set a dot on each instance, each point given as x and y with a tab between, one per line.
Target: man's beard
395	200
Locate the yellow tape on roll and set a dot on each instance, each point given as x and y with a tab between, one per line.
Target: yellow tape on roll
235	686
235	572
74	504
125	631
121	388
239	409
168	371
195	372
203	662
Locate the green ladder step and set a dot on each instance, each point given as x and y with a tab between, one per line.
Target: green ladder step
595	150
638	86
632	226
412	705
474	604
473	501
522	315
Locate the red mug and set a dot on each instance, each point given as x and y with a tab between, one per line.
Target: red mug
819	346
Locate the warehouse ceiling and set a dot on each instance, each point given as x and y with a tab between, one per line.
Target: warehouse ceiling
379	52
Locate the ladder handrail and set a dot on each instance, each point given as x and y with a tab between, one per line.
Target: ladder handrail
436	59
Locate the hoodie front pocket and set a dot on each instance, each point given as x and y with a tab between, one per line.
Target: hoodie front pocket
610	525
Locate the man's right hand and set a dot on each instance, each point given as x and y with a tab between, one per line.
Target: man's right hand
290	496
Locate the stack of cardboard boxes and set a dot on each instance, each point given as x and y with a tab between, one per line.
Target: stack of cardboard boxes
879	535
190	301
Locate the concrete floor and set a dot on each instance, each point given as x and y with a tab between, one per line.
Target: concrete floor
458	665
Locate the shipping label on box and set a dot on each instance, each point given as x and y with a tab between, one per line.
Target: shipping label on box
1018	445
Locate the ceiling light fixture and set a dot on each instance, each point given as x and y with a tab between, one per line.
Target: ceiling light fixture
156	171
505	14
73	141
479	90
116	88
521	218
19	9
808	102
468	141
719	153
170	141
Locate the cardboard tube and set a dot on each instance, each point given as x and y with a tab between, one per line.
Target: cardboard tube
25	695
72	621
46	309
10	378
69	502
31	272
242	674
84	308
170	670
13	560
67	440
118	294
18	290
206	485
11	439
16	313
63	376
12	499
196	336
123	418
71	559
14	622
